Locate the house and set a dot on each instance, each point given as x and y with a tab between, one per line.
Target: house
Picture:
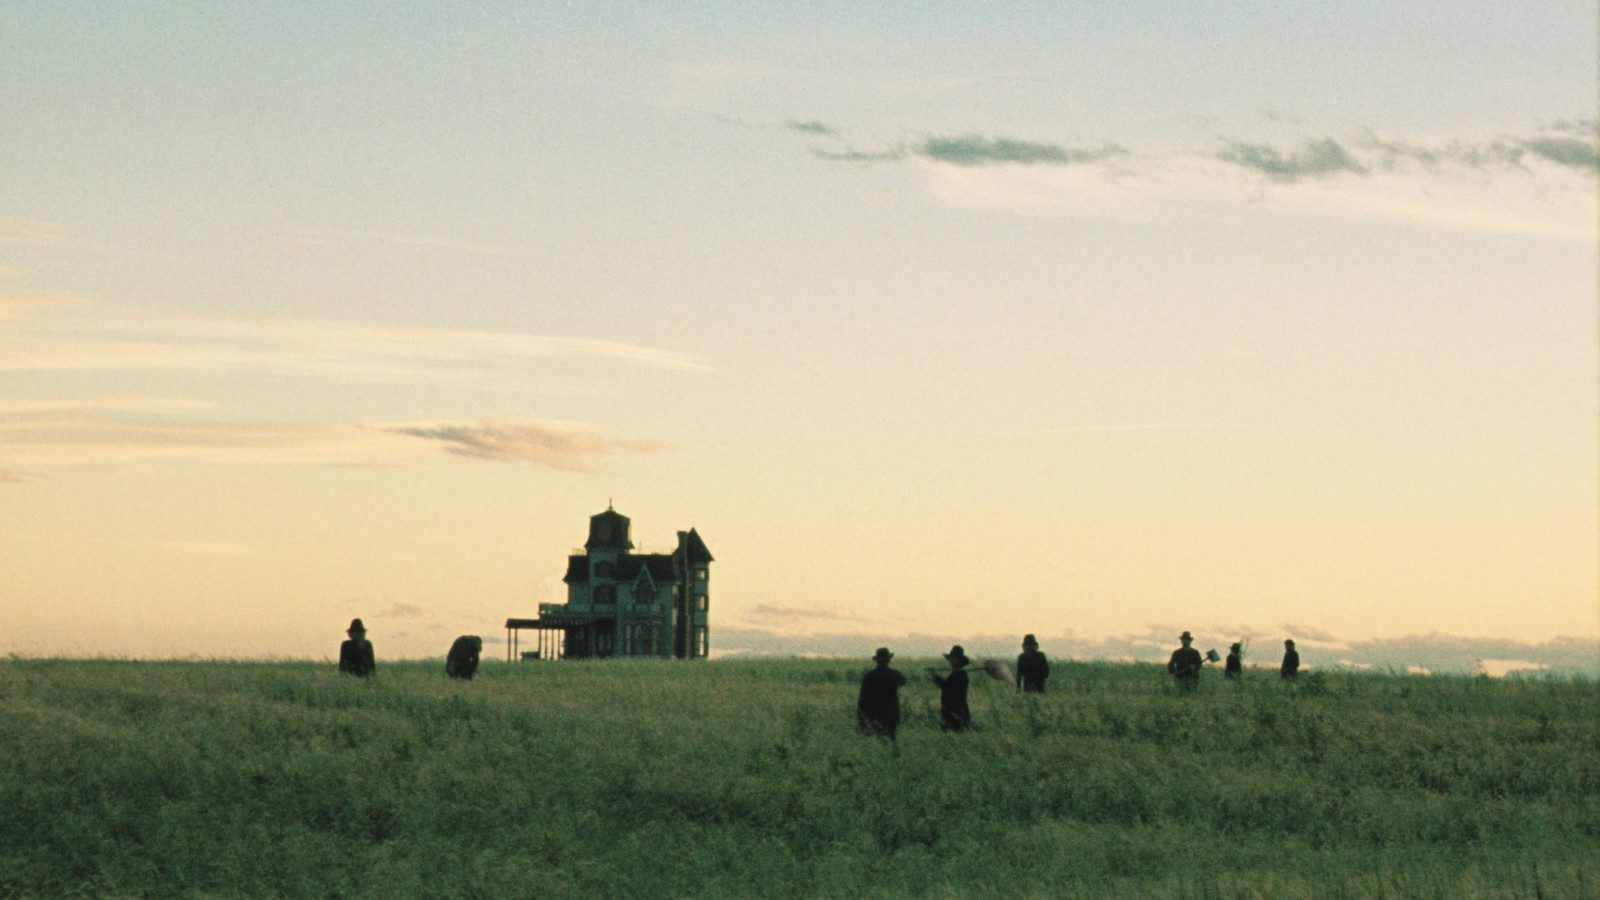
621	603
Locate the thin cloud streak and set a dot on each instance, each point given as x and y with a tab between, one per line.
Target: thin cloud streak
14	303
98	343
975	150
1439	184
566	448
81	434
1313	158
32	231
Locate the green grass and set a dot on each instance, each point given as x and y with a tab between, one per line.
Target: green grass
746	778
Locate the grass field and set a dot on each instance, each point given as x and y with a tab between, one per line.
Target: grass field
746	778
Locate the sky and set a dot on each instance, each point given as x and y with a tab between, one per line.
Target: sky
1098	321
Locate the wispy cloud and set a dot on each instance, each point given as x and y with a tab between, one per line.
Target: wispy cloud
893	154
812	126
1313	158
1468	184
774	612
958	150
975	150
1586	128
557	446
32	231
105	432
1326	157
85	339
1565	151
12	476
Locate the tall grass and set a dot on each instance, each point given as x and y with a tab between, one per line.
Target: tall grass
746	778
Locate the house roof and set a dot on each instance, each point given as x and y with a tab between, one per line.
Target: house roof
577	570
697	547
608	531
659	565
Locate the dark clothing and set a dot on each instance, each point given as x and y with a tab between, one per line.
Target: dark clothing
1185	667
878	706
355	657
463	659
1291	664
1032	670
953	712
1233	668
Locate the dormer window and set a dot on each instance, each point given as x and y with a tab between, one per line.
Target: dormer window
643	594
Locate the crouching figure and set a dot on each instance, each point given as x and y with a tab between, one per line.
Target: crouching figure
463	659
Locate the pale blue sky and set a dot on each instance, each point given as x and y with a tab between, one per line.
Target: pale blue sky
1278	312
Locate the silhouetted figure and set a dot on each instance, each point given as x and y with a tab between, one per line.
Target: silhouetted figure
1234	667
1032	667
1291	660
953	712
463	659
1184	666
355	655
878	706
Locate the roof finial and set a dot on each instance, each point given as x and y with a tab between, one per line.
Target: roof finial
609	507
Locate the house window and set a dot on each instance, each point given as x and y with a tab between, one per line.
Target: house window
605	570
643	594
701	574
702	602
700	642
605	593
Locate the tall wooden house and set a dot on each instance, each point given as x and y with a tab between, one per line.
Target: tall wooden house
621	603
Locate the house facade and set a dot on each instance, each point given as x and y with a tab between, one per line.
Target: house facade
621	603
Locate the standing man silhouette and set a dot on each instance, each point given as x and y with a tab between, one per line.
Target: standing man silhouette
878	705
1291	661
953	712
355	655
1184	666
1032	667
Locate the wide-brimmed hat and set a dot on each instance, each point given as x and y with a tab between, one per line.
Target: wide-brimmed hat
882	655
1186	636
957	655
1029	640
356	627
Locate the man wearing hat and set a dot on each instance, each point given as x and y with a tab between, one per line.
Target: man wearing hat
355	655
1184	666
953	712
1032	667
878	707
1291	661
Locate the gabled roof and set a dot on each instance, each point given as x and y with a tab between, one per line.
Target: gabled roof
696	547
659	565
